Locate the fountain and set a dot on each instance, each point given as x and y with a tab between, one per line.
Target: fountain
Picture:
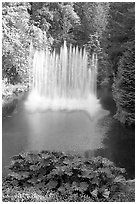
54	118
63	80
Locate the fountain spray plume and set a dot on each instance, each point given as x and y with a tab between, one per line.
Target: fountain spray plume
63	80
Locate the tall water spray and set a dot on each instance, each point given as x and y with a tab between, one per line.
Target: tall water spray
63	80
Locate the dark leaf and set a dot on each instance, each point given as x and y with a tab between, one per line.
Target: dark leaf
84	186
52	184
40	185
95	181
15	183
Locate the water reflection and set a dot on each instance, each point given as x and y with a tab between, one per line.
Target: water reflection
121	143
75	131
64	131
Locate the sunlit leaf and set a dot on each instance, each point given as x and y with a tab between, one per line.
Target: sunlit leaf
66	161
62	189
106	193
33	181
119	179
94	193
34	167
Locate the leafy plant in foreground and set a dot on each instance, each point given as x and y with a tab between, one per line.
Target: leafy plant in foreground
68	174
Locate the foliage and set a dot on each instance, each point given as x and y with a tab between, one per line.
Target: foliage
120	30
97	178
18	33
120	48
124	86
98	17
8	90
14	194
15	41
47	24
56	18
30	194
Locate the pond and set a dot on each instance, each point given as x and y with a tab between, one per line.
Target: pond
74	131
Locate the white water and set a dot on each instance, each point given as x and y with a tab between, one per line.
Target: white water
63	80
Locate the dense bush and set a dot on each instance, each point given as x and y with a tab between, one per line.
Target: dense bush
66	174
15	41
120	47
124	86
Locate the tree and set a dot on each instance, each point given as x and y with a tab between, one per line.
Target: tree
121	51
57	19
124	86
15	40
120	29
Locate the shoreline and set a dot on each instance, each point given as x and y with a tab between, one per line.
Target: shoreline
11	98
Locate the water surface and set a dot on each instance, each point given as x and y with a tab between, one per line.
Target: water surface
74	131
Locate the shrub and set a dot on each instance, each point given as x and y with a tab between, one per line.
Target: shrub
67	175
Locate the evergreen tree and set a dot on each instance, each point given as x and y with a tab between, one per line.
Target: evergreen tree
124	86
121	51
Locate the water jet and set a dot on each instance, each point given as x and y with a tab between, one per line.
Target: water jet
64	80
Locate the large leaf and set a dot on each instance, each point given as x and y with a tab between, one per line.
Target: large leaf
45	162
95	181
40	185
66	161
33	181
34	158
94	193
67	186
106	193
58	171
15	164
88	174
51	175
52	184
34	167
23	155
106	171
119	179
62	189
41	177
84	186
67	170
76	187
45	156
